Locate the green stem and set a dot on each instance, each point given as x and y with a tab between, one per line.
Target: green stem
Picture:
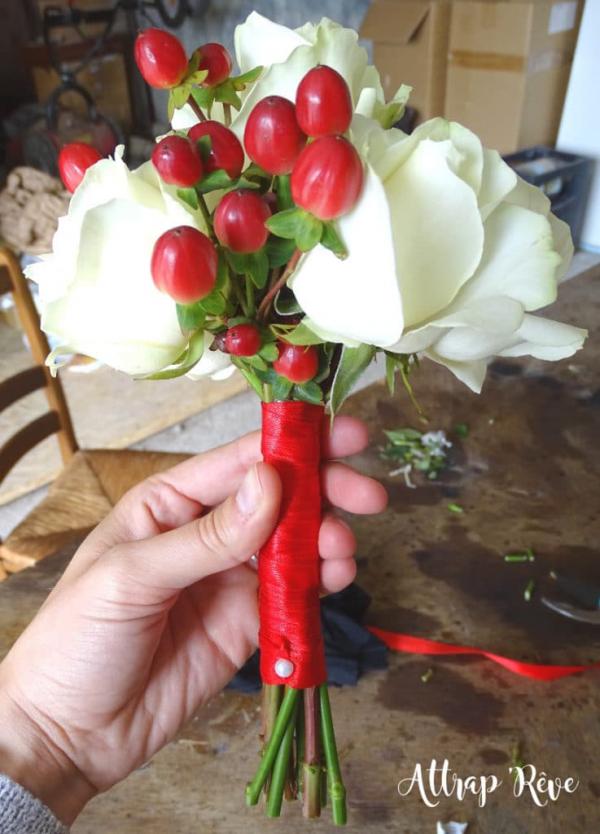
337	791
205	214
300	745
227	114
311	769
196	108
251	306
270	706
284	716
311	790
280	769
267	393
284	192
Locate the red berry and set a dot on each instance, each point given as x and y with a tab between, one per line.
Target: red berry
272	137
240	221
243	340
323	103
177	161
184	264
327	178
226	150
217	60
160	57
297	362
73	161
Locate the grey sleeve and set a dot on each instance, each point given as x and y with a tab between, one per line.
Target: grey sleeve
22	813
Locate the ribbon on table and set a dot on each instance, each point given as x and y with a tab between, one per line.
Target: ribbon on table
290	637
420	645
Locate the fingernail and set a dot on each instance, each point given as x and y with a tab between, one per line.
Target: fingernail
250	492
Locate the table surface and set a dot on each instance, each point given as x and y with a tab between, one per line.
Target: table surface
526	476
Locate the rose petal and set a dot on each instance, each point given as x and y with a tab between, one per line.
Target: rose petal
438	233
546	339
519	259
366	280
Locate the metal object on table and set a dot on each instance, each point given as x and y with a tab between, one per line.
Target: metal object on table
585	604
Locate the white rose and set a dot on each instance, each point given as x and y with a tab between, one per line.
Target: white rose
96	289
449	253
288	54
214	363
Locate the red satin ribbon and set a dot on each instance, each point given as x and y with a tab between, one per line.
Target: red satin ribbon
419	645
288	565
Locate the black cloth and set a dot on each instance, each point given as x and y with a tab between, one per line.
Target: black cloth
350	650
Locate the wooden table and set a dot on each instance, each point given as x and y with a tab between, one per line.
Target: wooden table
526	476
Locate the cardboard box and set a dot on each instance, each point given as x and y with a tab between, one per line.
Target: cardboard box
508	69
410	46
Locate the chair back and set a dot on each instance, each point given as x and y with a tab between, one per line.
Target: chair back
57	420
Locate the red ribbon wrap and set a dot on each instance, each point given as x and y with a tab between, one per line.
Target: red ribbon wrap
288	565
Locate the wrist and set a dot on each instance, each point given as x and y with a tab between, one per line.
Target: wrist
29	756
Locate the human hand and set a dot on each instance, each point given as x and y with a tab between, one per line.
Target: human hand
153	616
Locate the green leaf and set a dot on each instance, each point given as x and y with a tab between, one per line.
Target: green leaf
191	355
352	363
237	261
254	170
331	240
268	352
214	304
258	268
296	224
222	282
244	183
171	106
193	63
286	303
197	77
255	265
309	232
308	392
204	145
281	387
215	181
189	196
240	81
190	316
257	362
204	97
285	223
251	378
302	335
226	93
180	94
279	251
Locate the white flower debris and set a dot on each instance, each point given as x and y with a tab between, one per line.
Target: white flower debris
424	452
451	827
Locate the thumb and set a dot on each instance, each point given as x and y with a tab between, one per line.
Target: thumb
227	536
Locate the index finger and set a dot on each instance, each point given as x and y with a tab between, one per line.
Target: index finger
210	477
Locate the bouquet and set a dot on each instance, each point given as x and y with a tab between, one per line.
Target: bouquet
285	228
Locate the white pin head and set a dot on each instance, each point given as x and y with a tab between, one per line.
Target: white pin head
284	668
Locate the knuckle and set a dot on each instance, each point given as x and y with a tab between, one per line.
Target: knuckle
214	534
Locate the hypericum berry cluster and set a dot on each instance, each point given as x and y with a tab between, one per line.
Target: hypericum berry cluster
303	175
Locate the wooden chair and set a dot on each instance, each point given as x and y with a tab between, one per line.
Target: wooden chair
91	482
